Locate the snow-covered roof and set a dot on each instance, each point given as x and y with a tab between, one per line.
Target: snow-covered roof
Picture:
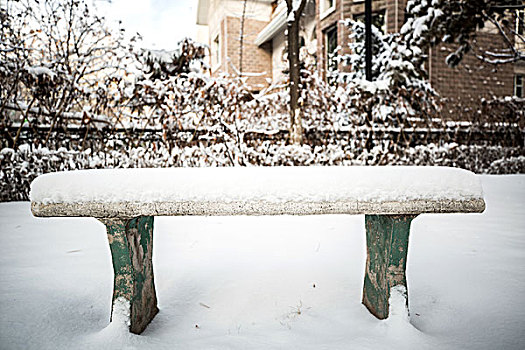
256	191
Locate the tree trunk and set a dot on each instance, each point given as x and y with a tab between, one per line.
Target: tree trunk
296	129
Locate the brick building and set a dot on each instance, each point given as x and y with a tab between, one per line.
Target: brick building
221	21
323	31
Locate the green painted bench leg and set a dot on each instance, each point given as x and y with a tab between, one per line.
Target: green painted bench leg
386	248
131	244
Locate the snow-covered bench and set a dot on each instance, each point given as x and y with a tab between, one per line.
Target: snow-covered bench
126	200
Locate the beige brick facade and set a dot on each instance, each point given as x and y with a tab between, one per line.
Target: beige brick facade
223	19
256	61
261	63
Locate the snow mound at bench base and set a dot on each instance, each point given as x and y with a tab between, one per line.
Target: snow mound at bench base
271	185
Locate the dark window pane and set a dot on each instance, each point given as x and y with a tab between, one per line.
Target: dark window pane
331	47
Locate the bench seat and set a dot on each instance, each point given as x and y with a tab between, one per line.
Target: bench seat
256	191
127	200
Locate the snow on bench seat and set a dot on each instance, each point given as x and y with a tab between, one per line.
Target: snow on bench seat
256	191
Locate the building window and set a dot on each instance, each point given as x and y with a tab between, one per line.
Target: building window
518	85
216	52
331	48
378	20
302	42
327	6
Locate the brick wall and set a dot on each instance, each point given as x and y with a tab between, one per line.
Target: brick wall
255	59
471	79
395	15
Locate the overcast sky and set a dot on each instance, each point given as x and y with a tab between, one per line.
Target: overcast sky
160	22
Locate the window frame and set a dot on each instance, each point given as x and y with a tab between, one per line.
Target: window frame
520	22
216	52
518	86
331	29
325	12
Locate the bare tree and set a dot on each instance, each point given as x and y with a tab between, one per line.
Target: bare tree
295	11
60	64
241	36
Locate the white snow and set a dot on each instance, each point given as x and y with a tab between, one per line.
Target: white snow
272	184
164	56
121	313
397	304
256	277
39	70
372	86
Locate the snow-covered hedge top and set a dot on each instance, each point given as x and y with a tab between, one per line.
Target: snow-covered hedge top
252	184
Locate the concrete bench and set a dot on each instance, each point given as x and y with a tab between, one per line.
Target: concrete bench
126	200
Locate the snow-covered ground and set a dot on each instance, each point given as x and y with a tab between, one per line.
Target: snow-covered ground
270	282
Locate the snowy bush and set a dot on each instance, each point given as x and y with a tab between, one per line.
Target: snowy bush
19	167
398	90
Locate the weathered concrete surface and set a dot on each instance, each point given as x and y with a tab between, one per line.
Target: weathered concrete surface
129	209
131	244
386	247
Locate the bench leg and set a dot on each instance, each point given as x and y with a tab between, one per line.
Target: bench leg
131	244
386	248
